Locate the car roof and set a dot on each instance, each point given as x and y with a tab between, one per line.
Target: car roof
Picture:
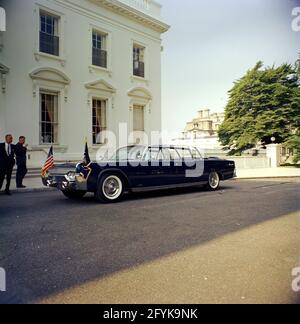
186	147
171	146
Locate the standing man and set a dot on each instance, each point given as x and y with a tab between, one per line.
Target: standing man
7	162
21	157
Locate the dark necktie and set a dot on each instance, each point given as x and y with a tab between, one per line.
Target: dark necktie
8	150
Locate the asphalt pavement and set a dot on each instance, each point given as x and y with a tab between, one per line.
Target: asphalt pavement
238	244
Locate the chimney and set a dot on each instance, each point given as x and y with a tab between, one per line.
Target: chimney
206	113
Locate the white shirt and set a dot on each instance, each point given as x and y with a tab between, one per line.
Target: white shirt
8	148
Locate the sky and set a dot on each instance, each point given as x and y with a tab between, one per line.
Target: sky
212	43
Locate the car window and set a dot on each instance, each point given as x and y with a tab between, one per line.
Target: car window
152	154
129	153
161	155
196	154
170	154
156	154
184	153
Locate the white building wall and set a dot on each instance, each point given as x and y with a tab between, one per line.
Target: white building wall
19	110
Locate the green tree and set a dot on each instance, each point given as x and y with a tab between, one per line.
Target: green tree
265	103
294	141
297	67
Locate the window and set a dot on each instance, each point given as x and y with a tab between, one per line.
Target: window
49	39
184	153
99	120
48	118
170	154
153	154
138	118
138	124
166	154
99	49
196	154
139	61
129	153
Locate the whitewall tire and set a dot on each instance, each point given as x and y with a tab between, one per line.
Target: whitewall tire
213	181
110	189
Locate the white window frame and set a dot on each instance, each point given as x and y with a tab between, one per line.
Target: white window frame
139	107
101	90
57	95
133	134
106	117
108	35
103	38
61	32
56	82
140	96
98	95
146	60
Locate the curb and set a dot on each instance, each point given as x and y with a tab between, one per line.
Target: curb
45	189
268	177
31	190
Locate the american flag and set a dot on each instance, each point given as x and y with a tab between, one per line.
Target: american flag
49	164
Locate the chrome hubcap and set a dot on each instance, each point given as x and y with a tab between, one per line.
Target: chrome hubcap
112	187
214	180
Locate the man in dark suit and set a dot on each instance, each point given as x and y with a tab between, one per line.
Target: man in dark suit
7	162
21	157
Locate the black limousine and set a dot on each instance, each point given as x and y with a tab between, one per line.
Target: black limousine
140	168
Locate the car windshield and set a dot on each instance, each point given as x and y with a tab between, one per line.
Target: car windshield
129	153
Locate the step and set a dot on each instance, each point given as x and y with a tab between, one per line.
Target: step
32	173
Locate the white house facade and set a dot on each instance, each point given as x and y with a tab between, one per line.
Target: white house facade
72	69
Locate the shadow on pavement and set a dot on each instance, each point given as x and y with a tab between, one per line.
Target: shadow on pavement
49	243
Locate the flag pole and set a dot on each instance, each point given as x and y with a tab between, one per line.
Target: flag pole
87	159
49	164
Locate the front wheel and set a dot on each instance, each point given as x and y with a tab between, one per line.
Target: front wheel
110	189
213	181
72	194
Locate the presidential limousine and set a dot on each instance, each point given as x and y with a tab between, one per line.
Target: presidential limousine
140	168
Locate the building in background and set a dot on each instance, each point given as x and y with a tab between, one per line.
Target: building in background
71	69
202	131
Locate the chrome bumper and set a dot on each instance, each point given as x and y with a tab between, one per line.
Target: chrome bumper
60	182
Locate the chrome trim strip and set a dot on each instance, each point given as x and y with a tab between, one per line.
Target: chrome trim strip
183	185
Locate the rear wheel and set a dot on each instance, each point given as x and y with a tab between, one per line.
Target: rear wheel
72	194
213	181
110	189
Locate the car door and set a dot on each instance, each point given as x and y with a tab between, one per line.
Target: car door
150	171
191	166
159	168
172	165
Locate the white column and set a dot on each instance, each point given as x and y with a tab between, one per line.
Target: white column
273	153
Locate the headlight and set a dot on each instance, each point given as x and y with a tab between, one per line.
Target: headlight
71	176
